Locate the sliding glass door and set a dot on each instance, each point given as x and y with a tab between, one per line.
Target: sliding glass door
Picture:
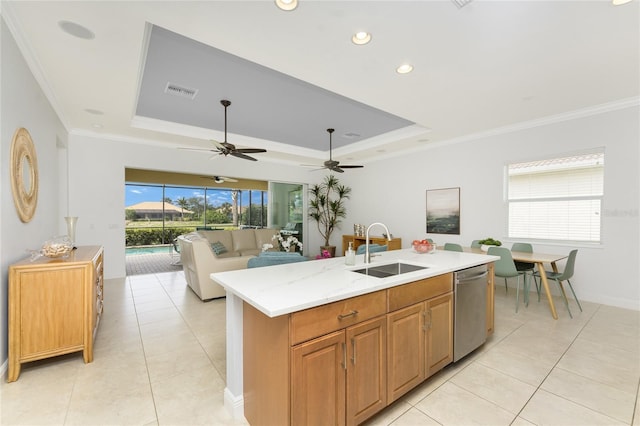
288	209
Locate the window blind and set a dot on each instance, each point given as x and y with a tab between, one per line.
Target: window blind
556	199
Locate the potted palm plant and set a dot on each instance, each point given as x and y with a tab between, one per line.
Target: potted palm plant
326	207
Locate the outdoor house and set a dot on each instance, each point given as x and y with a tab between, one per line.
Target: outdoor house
150	210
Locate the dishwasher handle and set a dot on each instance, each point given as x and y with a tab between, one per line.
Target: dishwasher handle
465	278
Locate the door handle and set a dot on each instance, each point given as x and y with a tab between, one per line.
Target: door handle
353	348
344	355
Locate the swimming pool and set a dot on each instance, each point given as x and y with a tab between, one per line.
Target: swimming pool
130	251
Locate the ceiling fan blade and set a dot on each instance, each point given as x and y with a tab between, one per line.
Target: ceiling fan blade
218	144
250	150
225	148
241	155
336	169
351	167
197	149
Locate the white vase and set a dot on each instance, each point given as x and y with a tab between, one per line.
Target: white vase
71	228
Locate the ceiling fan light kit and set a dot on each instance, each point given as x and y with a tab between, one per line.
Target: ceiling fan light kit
333	165
225	148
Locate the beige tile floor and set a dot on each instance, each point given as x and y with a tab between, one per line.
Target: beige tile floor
160	360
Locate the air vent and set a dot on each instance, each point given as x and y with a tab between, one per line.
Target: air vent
177	90
461	3
351	135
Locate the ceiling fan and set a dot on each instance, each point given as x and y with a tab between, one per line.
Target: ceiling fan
333	165
225	148
220	179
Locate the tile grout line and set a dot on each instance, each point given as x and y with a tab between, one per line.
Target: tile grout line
194	334
538	388
144	354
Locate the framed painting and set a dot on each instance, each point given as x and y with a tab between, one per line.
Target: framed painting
443	211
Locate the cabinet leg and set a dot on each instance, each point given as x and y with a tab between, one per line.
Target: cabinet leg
14	371
87	355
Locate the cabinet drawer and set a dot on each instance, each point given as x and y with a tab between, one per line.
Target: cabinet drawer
417	291
324	319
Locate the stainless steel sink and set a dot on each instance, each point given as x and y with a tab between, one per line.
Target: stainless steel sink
383	271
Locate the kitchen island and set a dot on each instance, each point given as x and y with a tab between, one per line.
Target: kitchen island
294	331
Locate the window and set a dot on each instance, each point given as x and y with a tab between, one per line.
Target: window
155	214
556	199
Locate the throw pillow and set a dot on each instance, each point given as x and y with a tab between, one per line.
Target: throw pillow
218	248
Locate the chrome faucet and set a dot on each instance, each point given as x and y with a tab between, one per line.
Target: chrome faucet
367	255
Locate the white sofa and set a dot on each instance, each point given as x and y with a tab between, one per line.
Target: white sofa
199	260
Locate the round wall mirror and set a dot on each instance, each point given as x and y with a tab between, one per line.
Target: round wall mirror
24	174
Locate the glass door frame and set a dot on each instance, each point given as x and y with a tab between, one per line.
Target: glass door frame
278	214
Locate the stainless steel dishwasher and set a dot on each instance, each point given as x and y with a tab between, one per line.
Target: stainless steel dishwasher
470	310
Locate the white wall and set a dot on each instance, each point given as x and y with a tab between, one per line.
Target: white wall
97	185
24	105
393	192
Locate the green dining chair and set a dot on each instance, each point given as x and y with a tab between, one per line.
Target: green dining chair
526	267
476	244
505	267
452	247
565	275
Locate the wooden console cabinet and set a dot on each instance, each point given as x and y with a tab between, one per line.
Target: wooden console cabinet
394	244
54	306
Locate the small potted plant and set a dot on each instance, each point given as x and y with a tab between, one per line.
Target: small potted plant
326	207
488	242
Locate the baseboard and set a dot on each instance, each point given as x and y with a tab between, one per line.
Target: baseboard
3	369
234	405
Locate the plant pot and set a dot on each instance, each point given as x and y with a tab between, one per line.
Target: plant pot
330	249
485	247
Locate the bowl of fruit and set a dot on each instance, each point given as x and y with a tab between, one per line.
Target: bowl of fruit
423	246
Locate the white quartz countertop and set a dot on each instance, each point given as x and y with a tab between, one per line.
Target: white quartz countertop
282	289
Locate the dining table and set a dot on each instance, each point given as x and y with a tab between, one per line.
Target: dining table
539	259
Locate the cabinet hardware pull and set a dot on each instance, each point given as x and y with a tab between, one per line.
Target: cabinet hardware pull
344	355
353	346
424	321
430	319
350	314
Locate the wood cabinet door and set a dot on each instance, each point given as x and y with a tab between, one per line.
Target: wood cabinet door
405	350
439	326
318	370
52	311
366	369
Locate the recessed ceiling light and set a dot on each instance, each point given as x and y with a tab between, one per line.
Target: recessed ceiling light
287	4
76	30
404	69
361	37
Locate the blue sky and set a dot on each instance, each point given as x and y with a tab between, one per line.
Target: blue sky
135	194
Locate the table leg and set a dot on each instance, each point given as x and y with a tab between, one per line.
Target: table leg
545	284
564	295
